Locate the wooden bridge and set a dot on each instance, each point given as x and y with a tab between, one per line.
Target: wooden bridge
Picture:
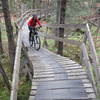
56	77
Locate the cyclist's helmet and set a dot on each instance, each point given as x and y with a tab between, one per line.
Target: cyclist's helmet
34	16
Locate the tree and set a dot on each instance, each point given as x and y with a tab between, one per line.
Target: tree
57	20
5	78
34	4
1	48
62	21
9	30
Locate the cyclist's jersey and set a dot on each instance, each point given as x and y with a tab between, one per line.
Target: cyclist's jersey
33	23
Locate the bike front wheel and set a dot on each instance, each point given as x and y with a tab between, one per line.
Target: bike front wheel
37	42
31	41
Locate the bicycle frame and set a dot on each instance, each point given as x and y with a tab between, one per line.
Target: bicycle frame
35	39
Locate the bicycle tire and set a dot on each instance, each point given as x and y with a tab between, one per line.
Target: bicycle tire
37	42
32	43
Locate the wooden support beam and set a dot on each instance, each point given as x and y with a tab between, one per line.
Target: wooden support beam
65	26
94	56
16	70
92	47
91	22
73	42
88	66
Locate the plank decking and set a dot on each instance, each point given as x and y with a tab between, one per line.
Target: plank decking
58	78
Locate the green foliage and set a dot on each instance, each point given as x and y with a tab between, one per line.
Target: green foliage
52	46
23	92
98	1
4	94
72	52
4	33
24	89
77	8
6	65
24	86
28	2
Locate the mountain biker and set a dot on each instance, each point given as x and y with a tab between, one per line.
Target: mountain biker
32	24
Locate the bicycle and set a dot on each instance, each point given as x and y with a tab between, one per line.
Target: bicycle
35	41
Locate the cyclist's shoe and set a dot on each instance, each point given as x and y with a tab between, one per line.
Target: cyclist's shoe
35	33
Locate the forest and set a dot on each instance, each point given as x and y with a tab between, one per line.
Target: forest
64	19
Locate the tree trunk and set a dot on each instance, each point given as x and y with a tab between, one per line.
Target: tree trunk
62	21
5	78
1	48
9	30
34	4
57	21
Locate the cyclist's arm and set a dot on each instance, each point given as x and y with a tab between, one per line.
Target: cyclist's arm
39	23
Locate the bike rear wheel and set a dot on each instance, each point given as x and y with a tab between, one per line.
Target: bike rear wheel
37	42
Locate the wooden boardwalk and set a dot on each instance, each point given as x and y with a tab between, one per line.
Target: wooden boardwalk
58	78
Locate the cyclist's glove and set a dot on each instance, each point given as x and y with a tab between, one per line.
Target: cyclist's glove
40	26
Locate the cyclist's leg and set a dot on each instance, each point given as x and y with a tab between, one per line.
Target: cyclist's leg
34	30
30	29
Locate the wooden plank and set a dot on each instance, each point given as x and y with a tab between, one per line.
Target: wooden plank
73	42
94	56
73	74
73	67
32	97
89	90
92	95
44	70
42	77
67	68
68	62
87	85
92	47
88	66
15	79
73	71
61	94
54	73
78	77
38	81
45	75
50	73
72	26
33	93
62	84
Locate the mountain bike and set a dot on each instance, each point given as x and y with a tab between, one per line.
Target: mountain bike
35	41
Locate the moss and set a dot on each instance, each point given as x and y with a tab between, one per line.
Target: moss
24	86
24	90
4	94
